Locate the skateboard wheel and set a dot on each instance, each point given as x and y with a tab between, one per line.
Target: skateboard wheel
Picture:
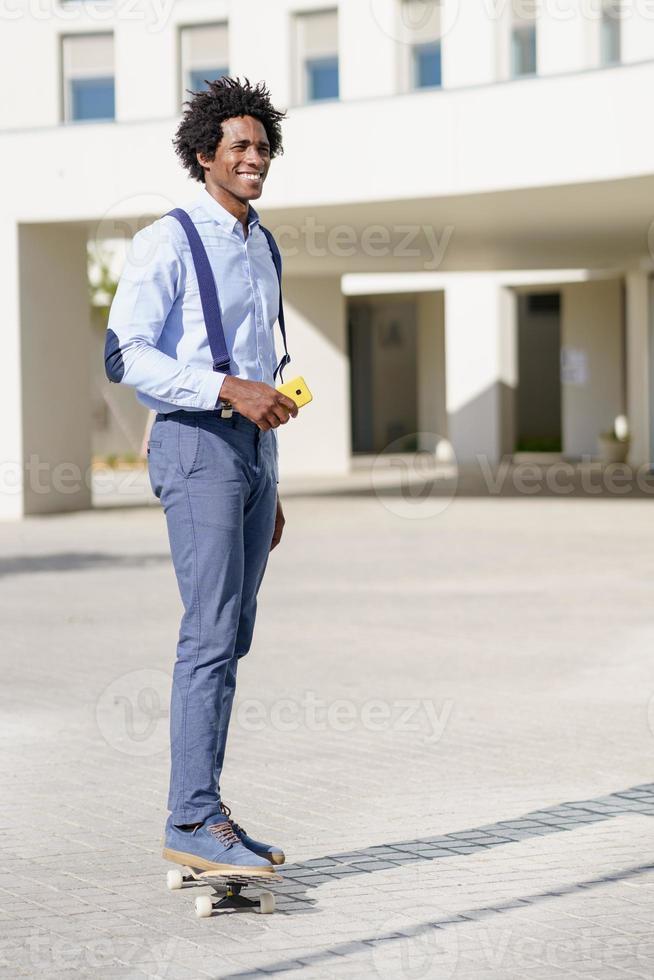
174	879
203	906
266	903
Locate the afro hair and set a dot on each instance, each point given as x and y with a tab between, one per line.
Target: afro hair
201	131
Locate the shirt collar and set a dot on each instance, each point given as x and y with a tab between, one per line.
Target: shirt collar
221	216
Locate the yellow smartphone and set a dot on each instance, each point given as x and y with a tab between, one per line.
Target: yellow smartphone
297	390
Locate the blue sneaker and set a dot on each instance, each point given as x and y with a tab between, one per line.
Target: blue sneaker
269	851
212	846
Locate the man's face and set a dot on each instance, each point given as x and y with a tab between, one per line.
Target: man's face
242	159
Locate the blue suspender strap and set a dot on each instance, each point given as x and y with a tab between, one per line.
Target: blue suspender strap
208	294
277	259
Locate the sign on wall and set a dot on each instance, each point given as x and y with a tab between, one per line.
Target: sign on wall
574	366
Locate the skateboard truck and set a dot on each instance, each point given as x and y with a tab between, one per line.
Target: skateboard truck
232	900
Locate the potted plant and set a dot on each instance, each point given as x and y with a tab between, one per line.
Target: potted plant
614	444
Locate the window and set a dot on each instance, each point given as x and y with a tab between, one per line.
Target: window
427	65
610	32
322	79
523	42
421	32
88	77
316	40
204	56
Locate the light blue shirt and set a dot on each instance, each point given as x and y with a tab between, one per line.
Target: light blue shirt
157	340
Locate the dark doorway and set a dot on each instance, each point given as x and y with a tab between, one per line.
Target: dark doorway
383	374
538	403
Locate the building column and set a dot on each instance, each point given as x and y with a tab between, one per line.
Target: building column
481	369
591	338
317	441
46	432
432	411
639	371
11	500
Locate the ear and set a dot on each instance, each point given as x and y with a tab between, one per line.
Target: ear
203	160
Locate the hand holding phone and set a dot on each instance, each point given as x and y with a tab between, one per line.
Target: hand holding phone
297	390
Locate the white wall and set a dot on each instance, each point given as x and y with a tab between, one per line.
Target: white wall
318	440
119	419
143	90
474	47
469	43
11	427
264	53
480	357
55	340
562	38
639	313
591	315
472	143
26	40
638	31
368	49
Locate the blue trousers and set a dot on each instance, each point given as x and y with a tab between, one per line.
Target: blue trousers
216	479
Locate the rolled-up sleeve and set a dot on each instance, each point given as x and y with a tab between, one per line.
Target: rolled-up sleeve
149	285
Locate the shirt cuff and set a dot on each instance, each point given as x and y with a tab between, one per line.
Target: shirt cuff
208	394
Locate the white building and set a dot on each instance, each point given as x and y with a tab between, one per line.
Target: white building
466	192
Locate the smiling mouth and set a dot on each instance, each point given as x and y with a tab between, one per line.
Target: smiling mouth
253	178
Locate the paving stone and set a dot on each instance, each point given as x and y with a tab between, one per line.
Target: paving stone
512	844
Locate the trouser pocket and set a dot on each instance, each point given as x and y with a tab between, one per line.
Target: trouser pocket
154	467
188	445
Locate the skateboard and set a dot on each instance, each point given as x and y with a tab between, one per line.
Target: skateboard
227	888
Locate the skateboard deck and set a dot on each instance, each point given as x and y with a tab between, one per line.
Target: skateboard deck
227	888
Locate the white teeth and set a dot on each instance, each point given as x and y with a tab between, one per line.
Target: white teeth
251	176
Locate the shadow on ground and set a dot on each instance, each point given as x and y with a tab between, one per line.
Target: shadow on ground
294	895
75	561
413	482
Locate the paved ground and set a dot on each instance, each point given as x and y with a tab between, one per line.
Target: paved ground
447	722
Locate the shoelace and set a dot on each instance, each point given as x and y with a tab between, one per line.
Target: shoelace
224	833
228	813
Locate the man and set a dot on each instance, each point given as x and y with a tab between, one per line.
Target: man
212	453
